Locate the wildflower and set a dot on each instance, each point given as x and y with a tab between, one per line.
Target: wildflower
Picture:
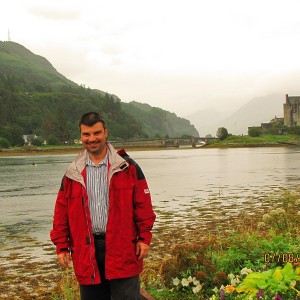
259	294
231	276
185	282
215	290
246	271
229	289
222	295
213	297
278	297
190	279
235	281
195	281
176	281
197	288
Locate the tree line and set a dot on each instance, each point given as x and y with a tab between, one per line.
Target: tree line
52	114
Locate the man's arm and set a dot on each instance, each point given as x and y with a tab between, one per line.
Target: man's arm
144	215
60	233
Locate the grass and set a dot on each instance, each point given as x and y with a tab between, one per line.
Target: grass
263	140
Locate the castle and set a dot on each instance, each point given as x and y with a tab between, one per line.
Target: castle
291	111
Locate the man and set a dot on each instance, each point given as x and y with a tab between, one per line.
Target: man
103	217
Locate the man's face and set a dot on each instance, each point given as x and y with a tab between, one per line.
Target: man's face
94	137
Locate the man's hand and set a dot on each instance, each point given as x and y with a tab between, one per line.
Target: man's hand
64	259
142	250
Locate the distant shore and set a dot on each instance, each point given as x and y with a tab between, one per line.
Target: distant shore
62	150
76	149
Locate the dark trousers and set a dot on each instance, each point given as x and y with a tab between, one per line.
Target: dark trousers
115	289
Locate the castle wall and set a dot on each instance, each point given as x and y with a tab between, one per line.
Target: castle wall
291	109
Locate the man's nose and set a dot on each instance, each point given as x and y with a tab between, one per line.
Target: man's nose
92	137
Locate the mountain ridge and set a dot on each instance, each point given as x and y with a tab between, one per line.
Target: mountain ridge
256	111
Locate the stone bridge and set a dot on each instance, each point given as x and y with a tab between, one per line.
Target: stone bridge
164	143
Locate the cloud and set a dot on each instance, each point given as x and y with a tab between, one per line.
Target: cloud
54	13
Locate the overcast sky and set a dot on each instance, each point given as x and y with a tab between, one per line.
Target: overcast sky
180	55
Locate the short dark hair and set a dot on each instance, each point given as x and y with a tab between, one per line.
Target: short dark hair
91	118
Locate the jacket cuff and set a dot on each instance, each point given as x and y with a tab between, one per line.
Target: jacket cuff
62	249
145	237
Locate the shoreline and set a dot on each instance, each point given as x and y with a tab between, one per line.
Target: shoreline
71	150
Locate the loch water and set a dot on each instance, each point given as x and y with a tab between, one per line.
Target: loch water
181	182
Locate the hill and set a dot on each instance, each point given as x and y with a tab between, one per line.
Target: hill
16	60
158	121
253	113
36	99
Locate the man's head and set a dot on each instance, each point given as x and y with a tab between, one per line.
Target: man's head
91	118
93	133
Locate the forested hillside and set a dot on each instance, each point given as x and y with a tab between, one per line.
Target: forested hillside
36	99
157	120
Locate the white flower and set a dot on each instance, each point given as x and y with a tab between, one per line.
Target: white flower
176	281
190	279
185	282
246	271
197	289
195	281
215	290
222	288
235	281
231	276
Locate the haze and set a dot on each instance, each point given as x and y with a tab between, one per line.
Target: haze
181	56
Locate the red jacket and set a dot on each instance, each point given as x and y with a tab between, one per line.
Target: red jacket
130	218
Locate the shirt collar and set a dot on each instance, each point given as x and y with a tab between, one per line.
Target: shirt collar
90	163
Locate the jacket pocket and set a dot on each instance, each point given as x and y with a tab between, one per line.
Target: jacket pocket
122	181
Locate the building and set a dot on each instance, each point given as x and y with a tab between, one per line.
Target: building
291	110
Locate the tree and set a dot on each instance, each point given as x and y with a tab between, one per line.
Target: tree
14	134
4	143
52	140
37	142
222	133
254	131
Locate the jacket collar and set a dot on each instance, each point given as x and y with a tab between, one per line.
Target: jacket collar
116	164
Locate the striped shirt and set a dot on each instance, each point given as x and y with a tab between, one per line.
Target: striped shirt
97	189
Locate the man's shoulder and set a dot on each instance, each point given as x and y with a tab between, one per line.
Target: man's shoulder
132	162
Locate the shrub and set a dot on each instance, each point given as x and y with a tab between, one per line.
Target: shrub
4	143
